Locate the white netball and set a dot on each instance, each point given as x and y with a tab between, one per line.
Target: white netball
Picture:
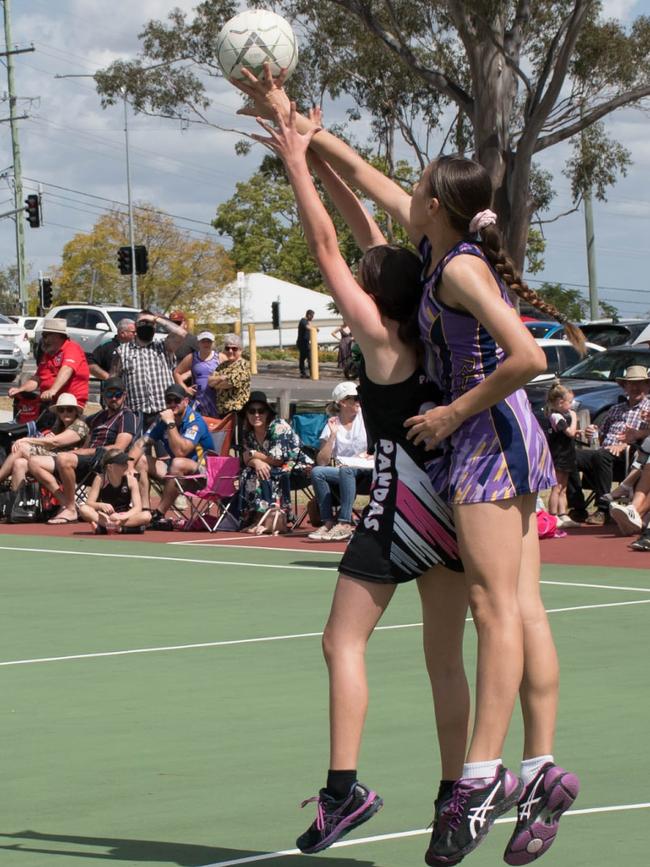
255	37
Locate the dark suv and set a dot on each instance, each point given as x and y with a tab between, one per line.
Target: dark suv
593	380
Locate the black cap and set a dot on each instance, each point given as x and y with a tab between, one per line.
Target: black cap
258	397
114	382
175	390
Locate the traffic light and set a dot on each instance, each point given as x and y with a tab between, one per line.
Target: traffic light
275	313
33	210
46	292
141	259
125	260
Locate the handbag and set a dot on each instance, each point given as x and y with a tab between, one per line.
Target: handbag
26	507
272	523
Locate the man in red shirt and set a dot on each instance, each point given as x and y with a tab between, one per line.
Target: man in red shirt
62	366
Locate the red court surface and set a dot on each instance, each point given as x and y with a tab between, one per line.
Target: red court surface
583	546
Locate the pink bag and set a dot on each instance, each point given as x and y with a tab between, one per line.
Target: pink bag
546	525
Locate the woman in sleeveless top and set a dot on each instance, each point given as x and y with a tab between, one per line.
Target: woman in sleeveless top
406	531
114	504
481	365
201	364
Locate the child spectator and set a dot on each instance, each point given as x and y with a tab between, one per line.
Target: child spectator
114	504
560	432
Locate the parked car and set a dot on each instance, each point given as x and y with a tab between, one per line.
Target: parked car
643	337
11	360
29	323
89	325
560	354
13	332
608	333
540	328
593	380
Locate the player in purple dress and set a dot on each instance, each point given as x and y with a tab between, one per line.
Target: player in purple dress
481	365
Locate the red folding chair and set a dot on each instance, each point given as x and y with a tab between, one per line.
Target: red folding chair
210	505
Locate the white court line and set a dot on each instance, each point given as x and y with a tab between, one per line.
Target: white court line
312	549
314	567
380	838
269	638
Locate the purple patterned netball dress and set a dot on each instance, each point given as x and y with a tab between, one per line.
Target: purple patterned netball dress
500	452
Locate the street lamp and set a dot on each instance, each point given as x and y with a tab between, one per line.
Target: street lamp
134	276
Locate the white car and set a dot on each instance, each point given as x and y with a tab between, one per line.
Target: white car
29	323
11	360
89	325
11	331
560	355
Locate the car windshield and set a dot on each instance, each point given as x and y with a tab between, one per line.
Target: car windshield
607	365
612	334
116	315
4	320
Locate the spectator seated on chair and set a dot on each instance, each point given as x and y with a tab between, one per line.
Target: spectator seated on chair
342	461
271	450
111	427
68	432
113	504
631	517
232	379
623	426
185	438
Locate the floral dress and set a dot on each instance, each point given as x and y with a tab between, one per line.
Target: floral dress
256	495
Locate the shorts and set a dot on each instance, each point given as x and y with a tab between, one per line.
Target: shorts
406	528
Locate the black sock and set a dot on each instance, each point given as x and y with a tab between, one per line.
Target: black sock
339	783
444	790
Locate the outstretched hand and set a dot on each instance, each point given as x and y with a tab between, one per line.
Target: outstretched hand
266	93
284	138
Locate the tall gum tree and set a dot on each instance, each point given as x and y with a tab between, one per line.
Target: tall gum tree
503	81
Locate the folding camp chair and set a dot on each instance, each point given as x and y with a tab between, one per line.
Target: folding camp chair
210	505
308	426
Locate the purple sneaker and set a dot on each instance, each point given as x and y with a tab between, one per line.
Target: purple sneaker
549	794
474	807
335	819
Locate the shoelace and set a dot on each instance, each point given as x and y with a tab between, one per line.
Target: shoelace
454	812
321	813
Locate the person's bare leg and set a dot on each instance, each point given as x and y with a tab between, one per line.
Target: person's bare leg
41	467
7	467
444	610
490	545
142	468
19	472
356	609
66	464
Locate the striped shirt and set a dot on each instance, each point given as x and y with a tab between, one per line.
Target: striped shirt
621	416
104	427
147	373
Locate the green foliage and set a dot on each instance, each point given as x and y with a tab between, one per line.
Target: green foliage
572	302
9	300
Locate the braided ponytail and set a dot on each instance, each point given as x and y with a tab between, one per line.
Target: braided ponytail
464	190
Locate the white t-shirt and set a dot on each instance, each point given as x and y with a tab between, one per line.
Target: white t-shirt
349	442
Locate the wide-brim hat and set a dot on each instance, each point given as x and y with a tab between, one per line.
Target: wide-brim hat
258	397
67	399
55	326
634	373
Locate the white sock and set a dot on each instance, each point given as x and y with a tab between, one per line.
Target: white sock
530	767
481	770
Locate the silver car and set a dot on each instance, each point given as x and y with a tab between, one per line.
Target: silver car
11	360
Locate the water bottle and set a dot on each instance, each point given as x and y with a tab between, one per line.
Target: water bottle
594	439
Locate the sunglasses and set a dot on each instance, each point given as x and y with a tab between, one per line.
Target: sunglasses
174	401
231	348
63	409
256	410
113	395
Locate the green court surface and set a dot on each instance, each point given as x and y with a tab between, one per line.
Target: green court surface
197	749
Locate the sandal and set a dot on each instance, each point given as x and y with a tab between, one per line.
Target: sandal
61	519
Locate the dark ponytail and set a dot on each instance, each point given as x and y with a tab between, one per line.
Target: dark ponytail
463	188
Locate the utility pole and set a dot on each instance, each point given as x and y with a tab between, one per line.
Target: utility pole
18	176
134	276
590	238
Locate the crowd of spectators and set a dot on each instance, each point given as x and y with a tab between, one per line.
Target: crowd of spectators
160	394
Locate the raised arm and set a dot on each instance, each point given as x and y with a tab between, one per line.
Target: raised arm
357	308
268	96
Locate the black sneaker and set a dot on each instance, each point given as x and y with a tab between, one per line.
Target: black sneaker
335	819
440	804
473	809
548	795
642	543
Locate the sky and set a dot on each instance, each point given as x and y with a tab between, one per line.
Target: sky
76	149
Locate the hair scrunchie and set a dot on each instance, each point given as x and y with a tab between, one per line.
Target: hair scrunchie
481	220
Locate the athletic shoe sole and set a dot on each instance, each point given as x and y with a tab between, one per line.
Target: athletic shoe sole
531	842
628	525
505	805
367	810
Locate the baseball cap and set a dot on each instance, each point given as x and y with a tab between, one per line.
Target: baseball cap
177	316
343	390
175	391
113	383
205	335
